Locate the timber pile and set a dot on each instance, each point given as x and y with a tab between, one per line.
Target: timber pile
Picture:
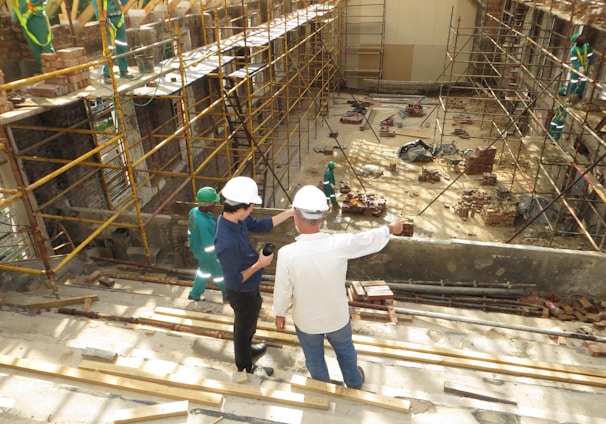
371	292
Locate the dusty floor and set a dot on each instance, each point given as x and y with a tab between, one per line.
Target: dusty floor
59	339
364	164
48	336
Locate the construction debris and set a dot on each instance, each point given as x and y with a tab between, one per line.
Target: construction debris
364	204
384	131
388	121
352	118
489	179
415	109
416	151
460	132
429	175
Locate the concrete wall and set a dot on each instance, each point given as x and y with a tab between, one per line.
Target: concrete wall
416	37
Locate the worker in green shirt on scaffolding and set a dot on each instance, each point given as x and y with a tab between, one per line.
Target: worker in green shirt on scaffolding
29	16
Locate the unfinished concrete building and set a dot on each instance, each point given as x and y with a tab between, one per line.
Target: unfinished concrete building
507	218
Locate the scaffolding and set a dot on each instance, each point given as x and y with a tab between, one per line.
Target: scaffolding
518	61
244	103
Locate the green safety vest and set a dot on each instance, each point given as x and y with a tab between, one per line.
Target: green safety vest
32	10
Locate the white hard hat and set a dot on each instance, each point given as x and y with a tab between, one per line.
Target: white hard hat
311	201
241	190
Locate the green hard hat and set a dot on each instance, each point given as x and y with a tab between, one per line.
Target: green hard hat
562	91
207	195
331	165
575	37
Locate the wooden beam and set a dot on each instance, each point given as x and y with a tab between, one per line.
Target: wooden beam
477	393
400	405
223	387
151	412
412	347
155	389
448	357
62	302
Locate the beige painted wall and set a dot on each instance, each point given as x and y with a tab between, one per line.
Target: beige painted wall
416	36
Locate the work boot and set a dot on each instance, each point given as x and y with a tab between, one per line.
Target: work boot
261	371
258	350
107	80
189	297
359	386
126	75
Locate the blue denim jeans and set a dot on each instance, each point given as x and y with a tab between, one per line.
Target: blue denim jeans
342	343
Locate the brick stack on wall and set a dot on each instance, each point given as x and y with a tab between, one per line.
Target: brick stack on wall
63	84
481	161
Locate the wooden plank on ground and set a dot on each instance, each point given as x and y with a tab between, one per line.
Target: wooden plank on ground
477	393
480	365
62	302
400	405
155	389
281	337
439	355
151	412
190	381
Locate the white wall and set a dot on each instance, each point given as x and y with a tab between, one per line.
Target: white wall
416	37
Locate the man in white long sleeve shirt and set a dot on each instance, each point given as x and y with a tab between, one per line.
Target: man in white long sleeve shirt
311	273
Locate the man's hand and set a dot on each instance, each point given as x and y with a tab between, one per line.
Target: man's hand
280	323
263	260
396	227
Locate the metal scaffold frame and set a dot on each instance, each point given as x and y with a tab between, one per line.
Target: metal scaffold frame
514	63
245	103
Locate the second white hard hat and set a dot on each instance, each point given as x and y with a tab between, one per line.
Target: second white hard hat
241	190
311	201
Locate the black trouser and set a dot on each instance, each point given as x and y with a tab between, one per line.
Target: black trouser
246	306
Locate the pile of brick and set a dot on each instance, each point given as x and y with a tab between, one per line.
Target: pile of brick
372	292
472	202
429	175
5	104
489	179
460	132
408	227
575	309
499	215
67	83
482	160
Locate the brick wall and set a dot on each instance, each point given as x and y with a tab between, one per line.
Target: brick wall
65	146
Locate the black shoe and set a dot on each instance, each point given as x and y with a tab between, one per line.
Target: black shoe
194	299
261	371
258	350
359	386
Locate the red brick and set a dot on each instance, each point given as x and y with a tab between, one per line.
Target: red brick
596	349
58	80
49	57
48	90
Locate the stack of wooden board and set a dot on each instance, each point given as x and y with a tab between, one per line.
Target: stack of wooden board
373	292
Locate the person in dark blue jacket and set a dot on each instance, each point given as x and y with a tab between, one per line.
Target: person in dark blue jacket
243	265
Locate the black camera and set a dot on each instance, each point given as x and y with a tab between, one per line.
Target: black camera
268	249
